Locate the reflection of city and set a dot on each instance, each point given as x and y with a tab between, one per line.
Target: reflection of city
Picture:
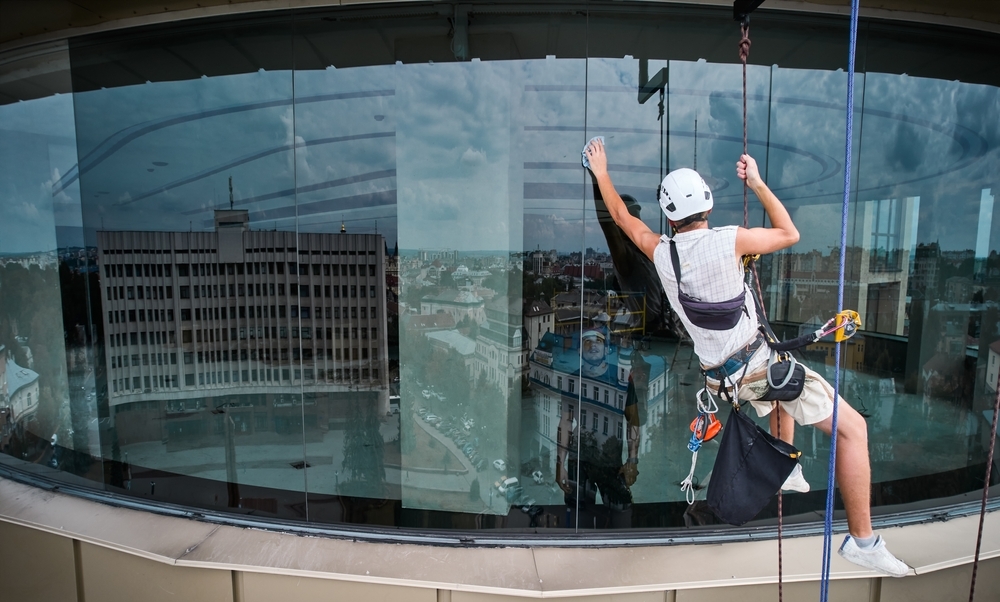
801	283
923	309
464	352
239	318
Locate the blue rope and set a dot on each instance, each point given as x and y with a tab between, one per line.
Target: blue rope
828	519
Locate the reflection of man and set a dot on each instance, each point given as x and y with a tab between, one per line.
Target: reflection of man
638	388
633	270
601	464
708	261
594	353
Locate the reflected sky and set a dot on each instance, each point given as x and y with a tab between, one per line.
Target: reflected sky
454	154
37	148
486	143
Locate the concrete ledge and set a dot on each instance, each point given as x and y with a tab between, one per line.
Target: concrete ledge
536	572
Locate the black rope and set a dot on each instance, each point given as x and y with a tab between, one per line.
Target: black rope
986	490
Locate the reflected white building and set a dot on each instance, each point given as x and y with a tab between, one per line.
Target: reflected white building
592	398
18	389
234	310
500	352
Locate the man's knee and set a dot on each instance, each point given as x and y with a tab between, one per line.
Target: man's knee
851	425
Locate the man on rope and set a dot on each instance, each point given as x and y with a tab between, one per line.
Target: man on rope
710	259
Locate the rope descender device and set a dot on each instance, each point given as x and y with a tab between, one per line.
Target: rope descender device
848	324
842	326
704	428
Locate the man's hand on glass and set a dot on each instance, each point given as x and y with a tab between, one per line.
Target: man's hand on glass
597	157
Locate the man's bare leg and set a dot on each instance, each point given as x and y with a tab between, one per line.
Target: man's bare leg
853	467
853	470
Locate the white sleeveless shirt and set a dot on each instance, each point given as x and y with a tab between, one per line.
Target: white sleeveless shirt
711	272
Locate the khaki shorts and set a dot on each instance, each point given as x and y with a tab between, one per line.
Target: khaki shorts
815	404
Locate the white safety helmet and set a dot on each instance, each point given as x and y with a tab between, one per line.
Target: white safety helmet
683	193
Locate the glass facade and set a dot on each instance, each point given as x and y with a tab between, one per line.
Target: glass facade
345	267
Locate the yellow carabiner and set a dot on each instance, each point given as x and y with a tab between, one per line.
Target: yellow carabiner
848	324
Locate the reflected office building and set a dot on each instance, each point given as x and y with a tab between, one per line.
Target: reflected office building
258	332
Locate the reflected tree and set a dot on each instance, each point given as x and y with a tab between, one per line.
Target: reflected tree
29	306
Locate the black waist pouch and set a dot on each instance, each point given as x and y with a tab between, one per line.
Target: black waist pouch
785	378
723	315
749	469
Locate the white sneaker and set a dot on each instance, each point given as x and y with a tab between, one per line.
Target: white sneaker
796	481
878	557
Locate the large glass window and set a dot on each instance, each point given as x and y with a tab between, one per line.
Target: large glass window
468	341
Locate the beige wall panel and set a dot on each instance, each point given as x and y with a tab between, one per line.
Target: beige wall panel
111	576
947	584
842	590
35	565
261	587
643	597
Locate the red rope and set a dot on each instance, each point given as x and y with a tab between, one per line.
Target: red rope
777	411
744	54
744	49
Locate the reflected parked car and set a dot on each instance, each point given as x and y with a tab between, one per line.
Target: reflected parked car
538	477
499	464
505	484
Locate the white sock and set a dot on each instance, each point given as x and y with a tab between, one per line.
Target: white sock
865	542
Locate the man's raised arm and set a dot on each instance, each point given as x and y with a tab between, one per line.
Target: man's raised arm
782	233
637	231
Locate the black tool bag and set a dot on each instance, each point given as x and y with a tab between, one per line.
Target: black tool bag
785	378
750	468
721	315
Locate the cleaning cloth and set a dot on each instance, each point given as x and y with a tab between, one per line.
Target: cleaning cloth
586	162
